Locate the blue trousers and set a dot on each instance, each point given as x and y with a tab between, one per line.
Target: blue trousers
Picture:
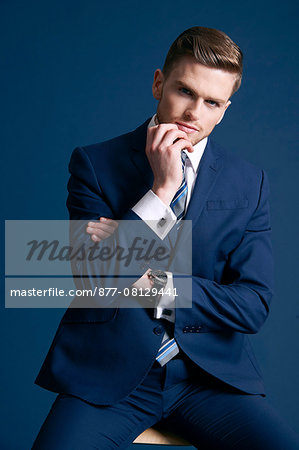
205	411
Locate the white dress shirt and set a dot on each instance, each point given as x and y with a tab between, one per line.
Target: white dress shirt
160	217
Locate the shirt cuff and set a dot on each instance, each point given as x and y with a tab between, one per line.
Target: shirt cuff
165	308
158	216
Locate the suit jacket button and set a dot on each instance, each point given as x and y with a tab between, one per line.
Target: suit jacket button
186	330
158	330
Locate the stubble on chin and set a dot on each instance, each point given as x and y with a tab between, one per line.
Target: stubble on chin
196	140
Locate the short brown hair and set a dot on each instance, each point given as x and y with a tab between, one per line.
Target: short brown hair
209	47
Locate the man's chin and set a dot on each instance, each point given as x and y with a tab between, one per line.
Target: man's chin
195	140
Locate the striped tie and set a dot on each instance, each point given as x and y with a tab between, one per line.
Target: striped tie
178	203
169	347
167	350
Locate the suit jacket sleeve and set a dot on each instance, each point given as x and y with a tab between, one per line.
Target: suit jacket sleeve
241	302
87	201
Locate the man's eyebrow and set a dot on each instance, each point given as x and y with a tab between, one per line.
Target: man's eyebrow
183	84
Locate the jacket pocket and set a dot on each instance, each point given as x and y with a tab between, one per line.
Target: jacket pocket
227	204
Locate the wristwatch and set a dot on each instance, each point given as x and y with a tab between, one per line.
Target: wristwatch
159	278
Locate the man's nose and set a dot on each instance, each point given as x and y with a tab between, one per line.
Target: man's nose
194	111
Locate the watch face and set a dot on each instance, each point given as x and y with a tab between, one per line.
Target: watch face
159	277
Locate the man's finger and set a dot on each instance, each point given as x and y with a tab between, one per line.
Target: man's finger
104	223
101	230
183	144
161	131
103	234
157	132
103	220
101	226
100	235
169	138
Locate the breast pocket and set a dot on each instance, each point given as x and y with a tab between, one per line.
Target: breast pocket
239	203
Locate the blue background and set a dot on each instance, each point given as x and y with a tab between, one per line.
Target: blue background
74	73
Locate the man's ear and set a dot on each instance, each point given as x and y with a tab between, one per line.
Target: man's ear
225	108
158	84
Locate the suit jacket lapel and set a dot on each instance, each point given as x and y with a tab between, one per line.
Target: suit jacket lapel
138	156
209	170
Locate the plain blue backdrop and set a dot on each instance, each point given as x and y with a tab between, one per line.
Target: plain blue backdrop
74	73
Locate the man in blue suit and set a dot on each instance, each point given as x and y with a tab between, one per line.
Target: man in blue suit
120	370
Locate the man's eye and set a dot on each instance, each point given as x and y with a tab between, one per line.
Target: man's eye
212	103
185	91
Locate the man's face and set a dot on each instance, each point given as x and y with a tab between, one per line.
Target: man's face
193	96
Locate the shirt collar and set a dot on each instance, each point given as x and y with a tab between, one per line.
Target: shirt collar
199	148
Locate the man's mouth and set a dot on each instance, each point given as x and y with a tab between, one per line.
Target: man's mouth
186	127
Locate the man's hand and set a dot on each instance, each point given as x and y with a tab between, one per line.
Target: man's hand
144	282
101	229
163	149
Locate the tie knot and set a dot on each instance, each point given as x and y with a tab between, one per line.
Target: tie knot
184	156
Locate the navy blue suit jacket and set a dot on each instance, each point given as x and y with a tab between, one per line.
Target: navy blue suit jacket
101	355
